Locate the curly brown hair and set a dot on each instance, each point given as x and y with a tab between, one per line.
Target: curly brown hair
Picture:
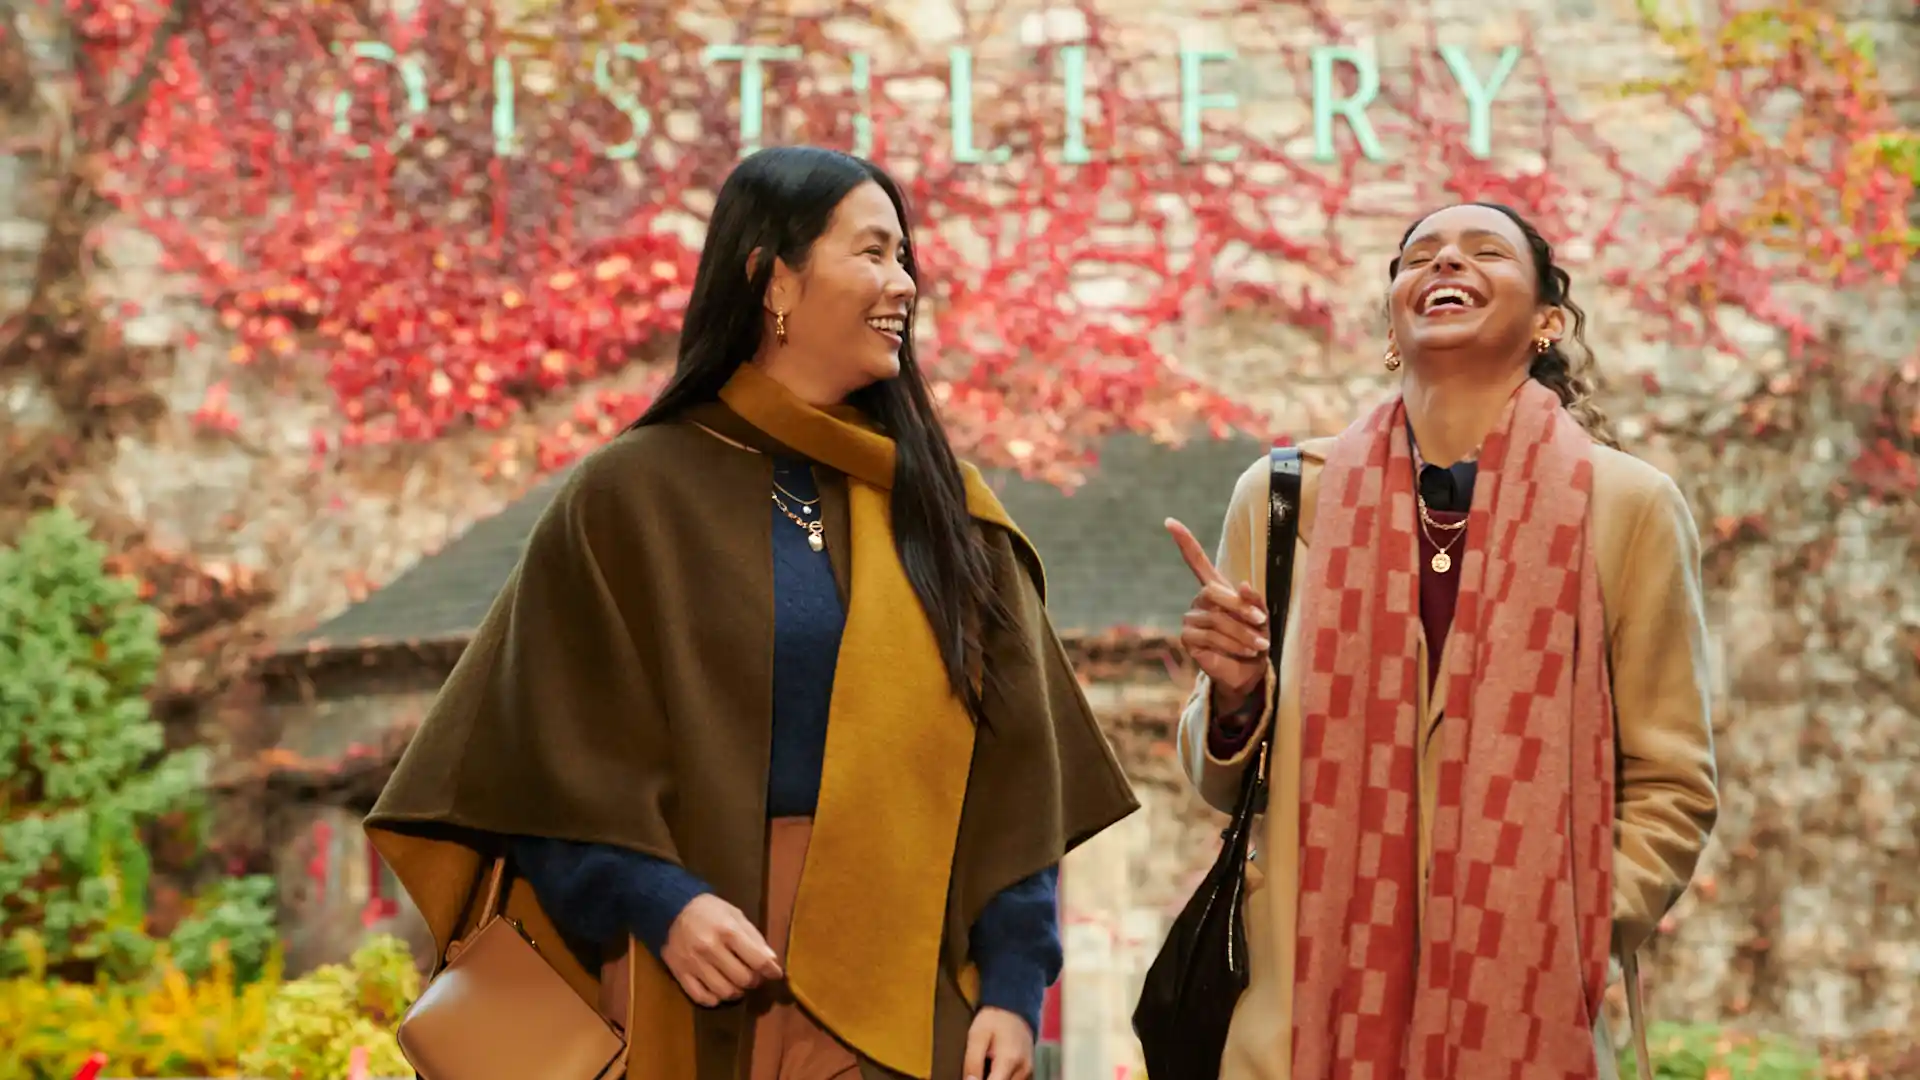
1568	374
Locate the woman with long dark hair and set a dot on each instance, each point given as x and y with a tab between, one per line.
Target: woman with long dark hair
773	692
1486	711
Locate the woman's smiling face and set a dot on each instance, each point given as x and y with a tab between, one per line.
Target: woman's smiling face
847	307
1465	280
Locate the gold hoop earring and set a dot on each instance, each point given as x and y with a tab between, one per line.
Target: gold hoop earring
1392	358
780	326
1542	344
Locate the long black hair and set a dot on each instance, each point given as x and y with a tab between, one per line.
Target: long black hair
1566	375
779	201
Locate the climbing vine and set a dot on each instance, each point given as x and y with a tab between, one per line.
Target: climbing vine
1819	194
452	217
425	210
1825	187
336	182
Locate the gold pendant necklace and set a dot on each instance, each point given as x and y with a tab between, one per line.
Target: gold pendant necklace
1441	561
805	505
813	528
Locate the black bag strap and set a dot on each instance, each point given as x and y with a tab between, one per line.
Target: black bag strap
1283	534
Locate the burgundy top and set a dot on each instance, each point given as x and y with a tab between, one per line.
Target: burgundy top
1439	591
1449	495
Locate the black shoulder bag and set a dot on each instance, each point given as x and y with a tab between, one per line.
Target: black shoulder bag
1190	992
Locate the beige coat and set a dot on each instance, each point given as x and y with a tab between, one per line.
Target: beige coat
1649	563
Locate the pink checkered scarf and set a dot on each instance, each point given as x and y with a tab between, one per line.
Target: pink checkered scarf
1509	976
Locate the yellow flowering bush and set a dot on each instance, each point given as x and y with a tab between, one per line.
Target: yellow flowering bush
171	1025
315	1023
163	1025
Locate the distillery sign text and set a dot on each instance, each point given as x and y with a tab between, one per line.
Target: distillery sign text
1479	82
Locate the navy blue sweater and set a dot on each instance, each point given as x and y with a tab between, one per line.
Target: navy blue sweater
603	893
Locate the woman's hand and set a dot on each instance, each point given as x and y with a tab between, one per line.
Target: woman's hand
1002	1038
1226	630
716	952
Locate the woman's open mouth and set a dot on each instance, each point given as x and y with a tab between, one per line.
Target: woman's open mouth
1446	301
891	327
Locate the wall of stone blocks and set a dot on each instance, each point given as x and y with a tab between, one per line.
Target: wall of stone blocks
1805	914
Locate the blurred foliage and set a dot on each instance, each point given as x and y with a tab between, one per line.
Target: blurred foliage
85	768
315	1023
1710	1052
165	1024
235	916
86	774
218	1025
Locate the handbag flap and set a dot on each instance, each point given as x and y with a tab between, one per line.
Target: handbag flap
499	1011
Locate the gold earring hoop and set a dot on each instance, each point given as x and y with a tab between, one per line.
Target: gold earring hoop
1542	344
780	326
1392	358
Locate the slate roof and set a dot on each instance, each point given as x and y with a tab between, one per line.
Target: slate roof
1110	563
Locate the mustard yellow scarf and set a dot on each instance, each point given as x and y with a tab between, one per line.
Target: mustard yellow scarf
867	924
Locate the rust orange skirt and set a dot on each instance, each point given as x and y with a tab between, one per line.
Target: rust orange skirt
787	1043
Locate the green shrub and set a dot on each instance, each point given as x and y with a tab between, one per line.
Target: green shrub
85	773
235	917
1709	1052
314	1023
84	769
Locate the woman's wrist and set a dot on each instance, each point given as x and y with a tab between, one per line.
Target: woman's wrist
1233	705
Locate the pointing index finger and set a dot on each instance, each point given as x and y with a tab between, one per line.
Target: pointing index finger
1194	554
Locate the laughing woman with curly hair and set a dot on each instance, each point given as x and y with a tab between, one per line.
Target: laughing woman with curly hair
1490	761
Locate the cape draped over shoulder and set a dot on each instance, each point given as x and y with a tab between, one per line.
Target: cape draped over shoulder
620	692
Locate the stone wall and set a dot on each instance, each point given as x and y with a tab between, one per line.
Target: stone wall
1807	914
1120	891
332	890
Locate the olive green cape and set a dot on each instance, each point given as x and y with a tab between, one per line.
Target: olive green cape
620	692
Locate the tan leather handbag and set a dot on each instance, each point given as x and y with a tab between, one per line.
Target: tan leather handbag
497	1010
